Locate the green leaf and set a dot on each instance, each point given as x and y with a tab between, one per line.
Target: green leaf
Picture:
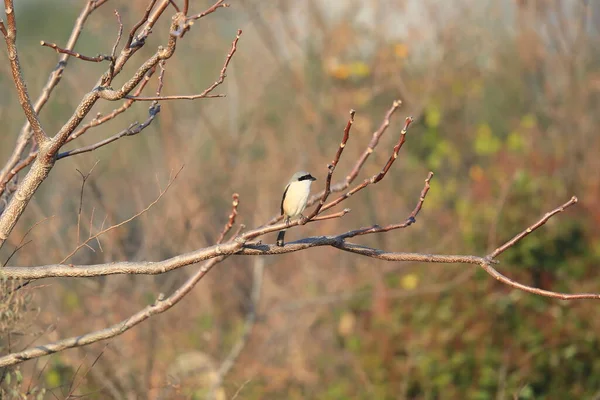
485	141
433	116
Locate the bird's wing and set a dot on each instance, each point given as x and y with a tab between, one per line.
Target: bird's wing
283	197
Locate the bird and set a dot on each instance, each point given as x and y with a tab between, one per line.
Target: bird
294	199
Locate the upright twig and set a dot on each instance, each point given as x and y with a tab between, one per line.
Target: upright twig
379	176
532	228
373	143
234	205
331	167
10	36
411	219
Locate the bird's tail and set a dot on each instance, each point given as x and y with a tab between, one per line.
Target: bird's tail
280	237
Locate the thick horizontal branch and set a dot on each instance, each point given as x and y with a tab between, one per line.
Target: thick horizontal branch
160	305
148	267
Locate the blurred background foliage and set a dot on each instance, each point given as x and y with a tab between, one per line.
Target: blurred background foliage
505	95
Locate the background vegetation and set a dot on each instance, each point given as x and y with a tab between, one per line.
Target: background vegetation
506	97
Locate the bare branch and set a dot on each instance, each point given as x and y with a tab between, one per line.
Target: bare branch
141	22
181	97
377	177
161	305
132	130
53	80
212	9
532	228
207	91
10	36
99	119
234	205
98	58
331	167
341	186
373	143
409	221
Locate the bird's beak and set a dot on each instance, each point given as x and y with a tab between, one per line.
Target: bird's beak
312	178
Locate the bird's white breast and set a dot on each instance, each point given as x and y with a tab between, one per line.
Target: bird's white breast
296	197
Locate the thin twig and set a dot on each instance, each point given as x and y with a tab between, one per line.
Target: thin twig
99	119
373	143
52	82
98	58
84	178
110	228
21	243
210	10
181	97
234	205
379	176
331	167
532	228
207	91
132	130
161	305
341	186
411	219
141	22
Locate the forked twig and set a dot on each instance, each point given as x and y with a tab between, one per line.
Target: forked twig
208	90
379	176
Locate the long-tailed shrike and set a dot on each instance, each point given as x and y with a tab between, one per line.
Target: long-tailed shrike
294	199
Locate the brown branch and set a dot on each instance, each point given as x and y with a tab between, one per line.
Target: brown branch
411	219
373	143
160	305
338	187
331	168
532	228
377	177
233	246
99	119
181	97
161	77
98	58
135	42
210	10
141	22
207	91
53	80
3	28
84	178
132	130
234	205
15	66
